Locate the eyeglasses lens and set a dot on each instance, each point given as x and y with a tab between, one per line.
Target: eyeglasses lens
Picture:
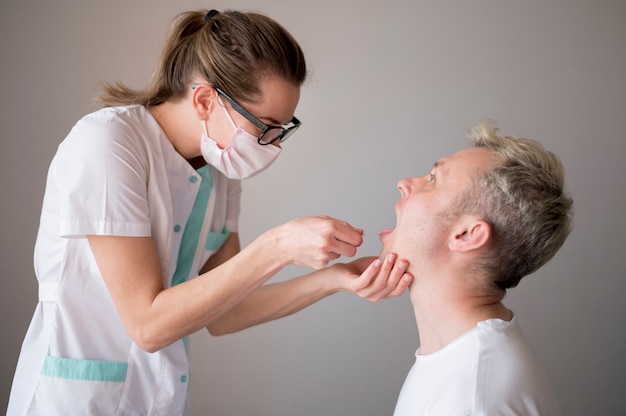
271	135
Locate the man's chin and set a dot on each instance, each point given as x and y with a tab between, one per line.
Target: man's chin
387	241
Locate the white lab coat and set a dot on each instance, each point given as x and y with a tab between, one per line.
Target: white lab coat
115	174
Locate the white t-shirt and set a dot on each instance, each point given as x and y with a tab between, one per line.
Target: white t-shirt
490	370
116	173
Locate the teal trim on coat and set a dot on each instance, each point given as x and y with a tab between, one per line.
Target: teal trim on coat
191	235
215	240
89	370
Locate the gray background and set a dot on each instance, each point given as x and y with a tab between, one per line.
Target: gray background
394	85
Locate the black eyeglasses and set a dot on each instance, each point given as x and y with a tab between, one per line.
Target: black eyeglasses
269	133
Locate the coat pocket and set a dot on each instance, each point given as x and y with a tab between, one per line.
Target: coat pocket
215	240
70	387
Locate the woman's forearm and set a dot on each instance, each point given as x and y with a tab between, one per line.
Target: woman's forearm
274	301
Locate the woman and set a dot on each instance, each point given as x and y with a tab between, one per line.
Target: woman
138	244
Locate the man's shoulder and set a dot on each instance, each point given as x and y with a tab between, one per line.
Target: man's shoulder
509	374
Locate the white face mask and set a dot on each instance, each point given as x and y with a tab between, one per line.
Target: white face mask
243	157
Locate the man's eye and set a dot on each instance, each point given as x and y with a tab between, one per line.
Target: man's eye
431	178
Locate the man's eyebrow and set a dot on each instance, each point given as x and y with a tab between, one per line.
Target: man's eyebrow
441	166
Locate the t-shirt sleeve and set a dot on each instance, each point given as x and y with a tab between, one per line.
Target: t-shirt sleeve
101	172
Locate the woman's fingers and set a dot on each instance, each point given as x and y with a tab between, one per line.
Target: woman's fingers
315	241
383	279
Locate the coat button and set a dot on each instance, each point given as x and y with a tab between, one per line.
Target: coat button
193	179
183	378
177	228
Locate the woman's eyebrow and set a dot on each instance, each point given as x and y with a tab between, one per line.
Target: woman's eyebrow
271	120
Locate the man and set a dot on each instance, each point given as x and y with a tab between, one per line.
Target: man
481	220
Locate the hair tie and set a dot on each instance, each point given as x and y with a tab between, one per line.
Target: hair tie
210	14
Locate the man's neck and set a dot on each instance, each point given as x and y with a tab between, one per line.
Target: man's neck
444	314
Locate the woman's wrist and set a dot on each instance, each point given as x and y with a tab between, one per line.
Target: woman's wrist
270	244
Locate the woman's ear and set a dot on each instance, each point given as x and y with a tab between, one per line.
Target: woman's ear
202	97
471	234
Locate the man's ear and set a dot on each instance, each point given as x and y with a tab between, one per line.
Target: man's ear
470	234
203	97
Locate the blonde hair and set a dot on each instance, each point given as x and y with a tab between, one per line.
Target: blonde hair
232	50
522	197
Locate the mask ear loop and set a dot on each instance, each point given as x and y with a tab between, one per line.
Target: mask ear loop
204	127
232	122
230	119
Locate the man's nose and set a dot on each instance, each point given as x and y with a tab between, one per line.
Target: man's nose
404	187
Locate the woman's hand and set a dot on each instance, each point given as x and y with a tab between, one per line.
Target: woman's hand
375	279
314	241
